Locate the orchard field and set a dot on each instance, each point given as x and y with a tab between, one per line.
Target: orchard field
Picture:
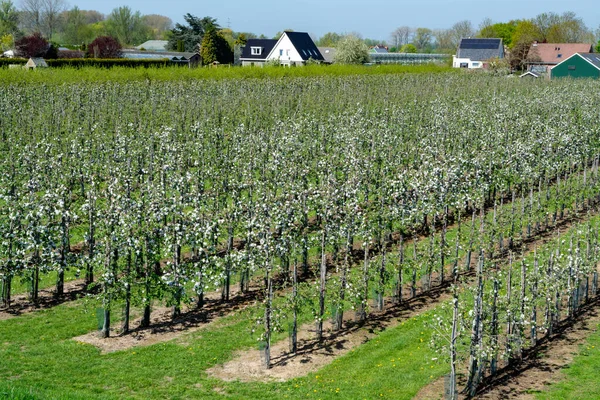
308	234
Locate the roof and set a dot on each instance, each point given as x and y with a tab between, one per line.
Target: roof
154	45
378	49
304	45
592	58
553	53
156	54
266	46
328	53
529	73
38	62
480	49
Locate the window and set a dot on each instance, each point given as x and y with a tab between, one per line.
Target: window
256	51
475	64
559	56
280	52
571	67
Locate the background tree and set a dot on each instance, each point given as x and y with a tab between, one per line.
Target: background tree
32	46
104	47
51	11
422	39
444	41
330	39
351	50
460	30
568	28
9	18
408	48
158	25
188	37
93	16
502	30
31	15
214	47
401	36
127	26
76	30
7	42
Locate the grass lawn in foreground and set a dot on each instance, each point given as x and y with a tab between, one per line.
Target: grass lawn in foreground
40	361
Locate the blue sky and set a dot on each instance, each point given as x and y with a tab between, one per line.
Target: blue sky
372	18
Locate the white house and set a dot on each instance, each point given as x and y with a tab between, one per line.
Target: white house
475	53
292	48
295	48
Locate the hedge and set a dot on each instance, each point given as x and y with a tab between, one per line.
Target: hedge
5	62
93	62
107	63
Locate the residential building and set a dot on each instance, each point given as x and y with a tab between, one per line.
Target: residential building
543	56
292	48
255	52
475	53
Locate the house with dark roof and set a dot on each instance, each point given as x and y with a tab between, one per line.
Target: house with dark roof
543	56
256	51
475	53
295	48
579	65
292	48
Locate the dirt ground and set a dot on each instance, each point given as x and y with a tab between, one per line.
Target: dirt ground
541	365
163	328
20	304
312	355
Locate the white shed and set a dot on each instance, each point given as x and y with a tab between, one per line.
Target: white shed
34	63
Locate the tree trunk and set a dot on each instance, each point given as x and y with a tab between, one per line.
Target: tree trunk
322	287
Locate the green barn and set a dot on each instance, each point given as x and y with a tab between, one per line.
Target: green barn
579	65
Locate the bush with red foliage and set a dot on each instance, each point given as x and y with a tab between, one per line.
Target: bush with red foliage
104	47
32	46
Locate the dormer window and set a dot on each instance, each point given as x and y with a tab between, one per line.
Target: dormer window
256	51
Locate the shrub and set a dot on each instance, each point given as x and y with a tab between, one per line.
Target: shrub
34	45
104	47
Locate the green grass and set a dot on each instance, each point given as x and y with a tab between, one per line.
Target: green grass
581	377
124	74
40	361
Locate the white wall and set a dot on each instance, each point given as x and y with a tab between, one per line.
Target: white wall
285	51
456	62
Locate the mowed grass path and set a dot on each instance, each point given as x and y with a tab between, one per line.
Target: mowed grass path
39	360
581	377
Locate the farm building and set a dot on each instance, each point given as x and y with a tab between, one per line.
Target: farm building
408	58
256	51
529	75
579	65
379	49
180	58
475	53
543	56
34	63
153	45
292	48
328	54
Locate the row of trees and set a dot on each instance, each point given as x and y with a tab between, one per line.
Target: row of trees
303	173
74	26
